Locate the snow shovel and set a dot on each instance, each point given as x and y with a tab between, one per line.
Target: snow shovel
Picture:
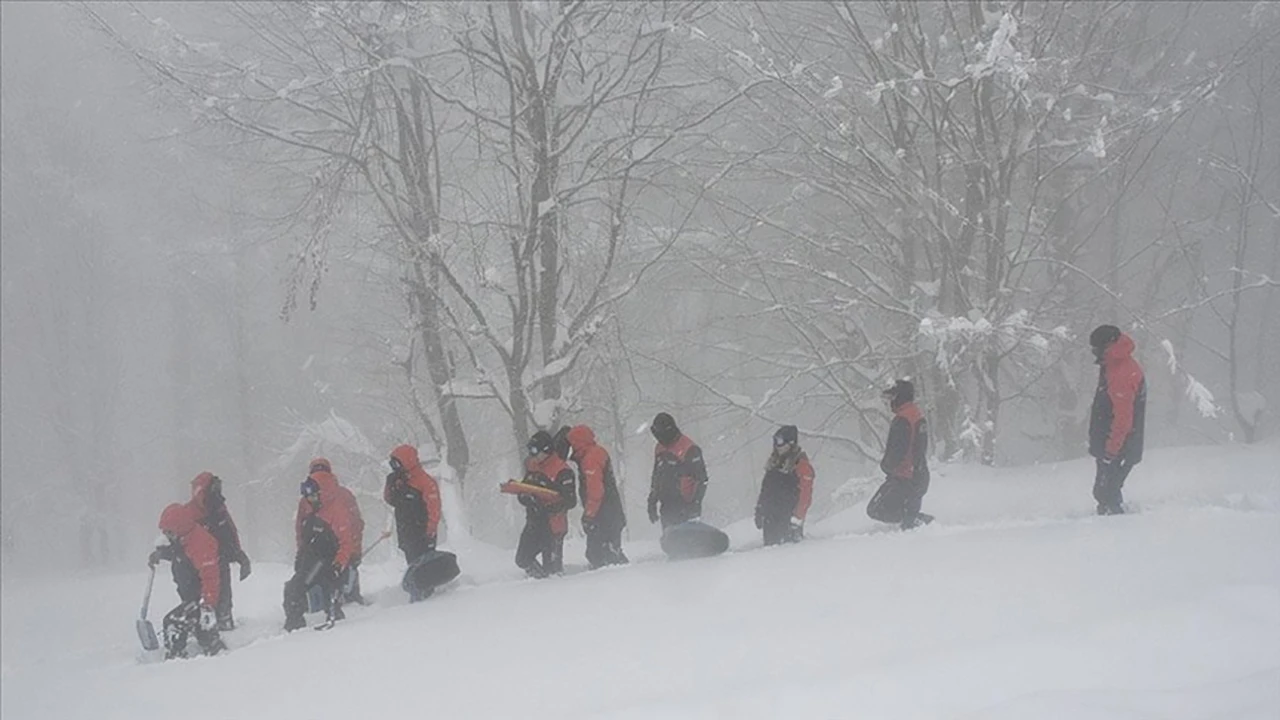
147	633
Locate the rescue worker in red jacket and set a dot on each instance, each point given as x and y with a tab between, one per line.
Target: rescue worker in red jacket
210	507
326	544
1118	416
546	521
787	489
679	479
414	497
193	554
602	516
905	462
351	580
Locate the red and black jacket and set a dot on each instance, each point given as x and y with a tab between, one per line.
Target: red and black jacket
601	502
193	553
555	474
906	450
787	489
679	475
211	511
414	496
333	514
1118	416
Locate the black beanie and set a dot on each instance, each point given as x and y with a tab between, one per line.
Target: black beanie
786	434
664	428
1103	335
541	442
903	391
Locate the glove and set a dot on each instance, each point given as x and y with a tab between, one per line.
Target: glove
154	558
431	542
208	619
338	569
797	527
528	500
759	518
245	568
588	524
653	510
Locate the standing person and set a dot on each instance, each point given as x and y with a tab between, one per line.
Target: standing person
1118	416
905	462
602	516
193	553
546	517
414	496
351	580
210	507
325	546
787	489
679	479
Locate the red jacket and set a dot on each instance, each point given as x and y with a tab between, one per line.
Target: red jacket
420	481
199	547
907	447
335	513
555	474
1119	405
320	464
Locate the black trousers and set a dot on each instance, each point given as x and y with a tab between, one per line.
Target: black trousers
898	501
604	547
537	539
1108	486
180	623
311	571
778	530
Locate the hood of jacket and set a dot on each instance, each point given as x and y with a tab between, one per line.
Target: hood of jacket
580	438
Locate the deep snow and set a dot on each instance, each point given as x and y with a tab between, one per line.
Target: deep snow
1017	603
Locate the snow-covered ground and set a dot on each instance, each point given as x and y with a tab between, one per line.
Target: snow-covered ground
1017	603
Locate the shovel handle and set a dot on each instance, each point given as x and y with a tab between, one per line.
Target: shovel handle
146	597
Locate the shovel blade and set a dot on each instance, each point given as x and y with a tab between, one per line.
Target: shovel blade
147	635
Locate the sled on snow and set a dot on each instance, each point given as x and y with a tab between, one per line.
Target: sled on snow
693	539
428	572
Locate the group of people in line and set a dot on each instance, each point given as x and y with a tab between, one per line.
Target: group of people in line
201	542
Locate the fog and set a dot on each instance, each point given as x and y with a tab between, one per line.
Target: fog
238	235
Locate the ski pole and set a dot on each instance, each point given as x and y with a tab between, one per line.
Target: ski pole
385	534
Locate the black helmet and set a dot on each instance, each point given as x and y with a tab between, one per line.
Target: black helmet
903	391
664	428
786	435
541	442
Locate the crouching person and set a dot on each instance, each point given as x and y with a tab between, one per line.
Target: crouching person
193	554
325	546
787	489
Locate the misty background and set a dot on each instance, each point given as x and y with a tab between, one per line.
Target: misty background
235	235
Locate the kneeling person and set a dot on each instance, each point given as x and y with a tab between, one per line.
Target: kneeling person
193	553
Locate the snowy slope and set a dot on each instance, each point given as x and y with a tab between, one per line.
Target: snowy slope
1018	603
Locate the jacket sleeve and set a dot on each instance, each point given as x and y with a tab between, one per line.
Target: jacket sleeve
895	447
1122	388
592	483
298	517
565	486
232	533
920	461
431	499
698	469
653	483
202	550
804	478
